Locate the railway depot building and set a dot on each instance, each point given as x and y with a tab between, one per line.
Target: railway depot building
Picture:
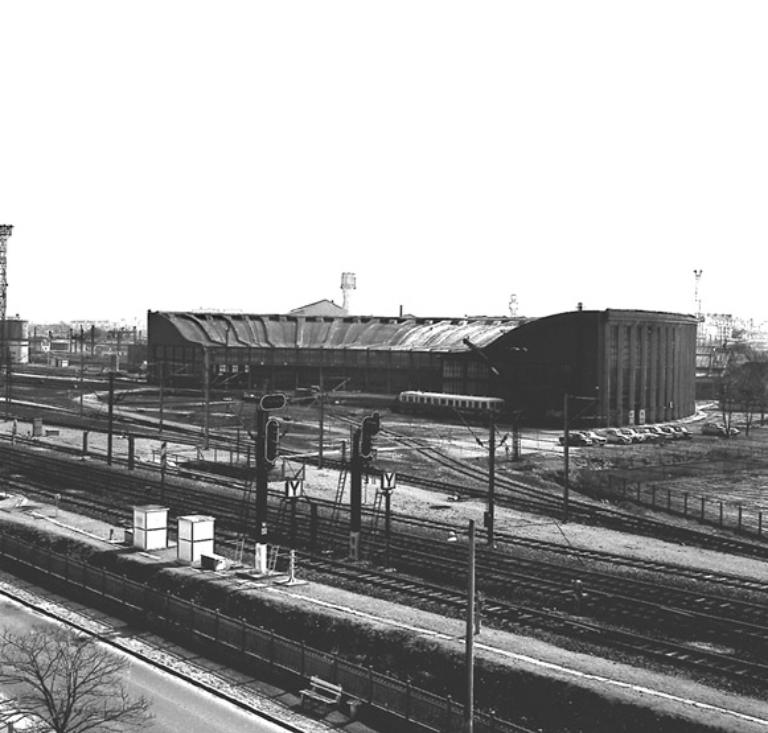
619	366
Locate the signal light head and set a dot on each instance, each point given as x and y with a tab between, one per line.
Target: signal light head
371	426
271	440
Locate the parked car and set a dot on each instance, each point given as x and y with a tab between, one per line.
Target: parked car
648	434
576	437
682	431
670	432
633	435
717	428
658	430
614	435
595	437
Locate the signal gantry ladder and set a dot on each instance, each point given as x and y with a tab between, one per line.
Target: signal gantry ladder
376	515
340	486
249	495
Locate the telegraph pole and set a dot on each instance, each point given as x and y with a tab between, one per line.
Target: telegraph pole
82	367
489	524
470	634
322	422
206	395
262	489
566	443
110	415
162	395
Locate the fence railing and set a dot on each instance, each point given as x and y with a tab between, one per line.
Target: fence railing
732	515
252	644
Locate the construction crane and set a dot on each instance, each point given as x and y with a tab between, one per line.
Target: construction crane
5	233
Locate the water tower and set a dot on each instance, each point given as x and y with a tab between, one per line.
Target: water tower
348	282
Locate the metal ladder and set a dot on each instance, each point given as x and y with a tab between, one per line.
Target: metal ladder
376	514
378	501
342	482
248	492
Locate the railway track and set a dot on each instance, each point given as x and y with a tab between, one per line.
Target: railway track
518	495
517	617
669	610
509	492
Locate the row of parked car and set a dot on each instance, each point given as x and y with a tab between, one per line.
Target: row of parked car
625	436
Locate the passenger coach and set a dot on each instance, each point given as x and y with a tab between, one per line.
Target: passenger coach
435	403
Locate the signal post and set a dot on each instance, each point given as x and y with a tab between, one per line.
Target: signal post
267	443
361	451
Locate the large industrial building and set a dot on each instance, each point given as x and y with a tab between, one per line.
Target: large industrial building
618	366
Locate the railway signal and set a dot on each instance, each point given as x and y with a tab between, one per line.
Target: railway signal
371	426
362	450
271	440
267	445
274	401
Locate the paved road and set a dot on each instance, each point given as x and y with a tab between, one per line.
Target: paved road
177	705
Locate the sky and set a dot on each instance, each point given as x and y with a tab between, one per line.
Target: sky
239	156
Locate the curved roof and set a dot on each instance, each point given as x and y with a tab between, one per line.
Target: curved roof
330	332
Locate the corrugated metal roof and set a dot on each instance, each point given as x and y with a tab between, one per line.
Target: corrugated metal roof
350	332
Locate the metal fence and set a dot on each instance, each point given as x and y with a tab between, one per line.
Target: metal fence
252	644
747	520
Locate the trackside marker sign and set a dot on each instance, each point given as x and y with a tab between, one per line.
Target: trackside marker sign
388	481
293	488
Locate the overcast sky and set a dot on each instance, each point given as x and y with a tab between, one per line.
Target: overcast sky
242	155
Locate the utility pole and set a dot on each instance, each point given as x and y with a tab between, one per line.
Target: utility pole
322	422
206	395
489	515
470	634
163	468
110	414
489	524
82	367
262	489
566	443
162	394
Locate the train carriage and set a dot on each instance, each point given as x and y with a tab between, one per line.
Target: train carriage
442	403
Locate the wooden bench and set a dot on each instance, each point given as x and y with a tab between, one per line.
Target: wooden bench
321	692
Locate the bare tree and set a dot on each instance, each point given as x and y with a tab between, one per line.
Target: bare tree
67	683
744	386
